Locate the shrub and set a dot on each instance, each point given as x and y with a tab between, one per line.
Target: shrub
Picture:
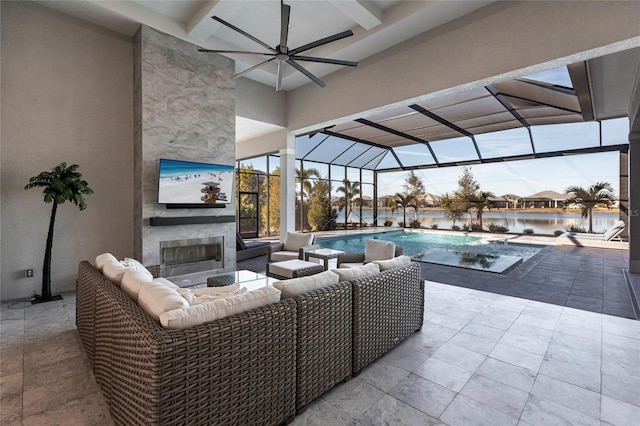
388	222
465	227
476	227
434	226
574	228
455	227
401	224
498	228
558	232
527	231
415	223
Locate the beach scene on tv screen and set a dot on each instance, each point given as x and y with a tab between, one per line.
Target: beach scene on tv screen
186	182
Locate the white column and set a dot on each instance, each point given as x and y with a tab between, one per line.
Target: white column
623	198
287	187
634	203
634	177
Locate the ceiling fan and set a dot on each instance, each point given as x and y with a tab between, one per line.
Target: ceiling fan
282	54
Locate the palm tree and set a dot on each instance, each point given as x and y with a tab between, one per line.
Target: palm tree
481	200
350	190
597	194
404	201
60	184
306	176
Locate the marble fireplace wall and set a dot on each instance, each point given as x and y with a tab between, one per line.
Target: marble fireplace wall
184	109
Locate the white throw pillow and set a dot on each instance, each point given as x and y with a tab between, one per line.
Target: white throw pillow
392	263
297	240
114	271
379	250
348	274
297	286
103	258
193	315
155	299
132	282
134	264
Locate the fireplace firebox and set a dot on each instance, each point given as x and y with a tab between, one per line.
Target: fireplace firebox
181	257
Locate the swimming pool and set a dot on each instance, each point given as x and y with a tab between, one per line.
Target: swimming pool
462	250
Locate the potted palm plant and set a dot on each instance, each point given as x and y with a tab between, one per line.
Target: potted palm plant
61	184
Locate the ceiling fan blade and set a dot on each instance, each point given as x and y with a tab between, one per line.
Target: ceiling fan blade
322	41
244	33
305	72
285	12
234	51
248	70
325	60
279	75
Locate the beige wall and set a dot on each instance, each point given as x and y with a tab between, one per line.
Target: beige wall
67	95
260	102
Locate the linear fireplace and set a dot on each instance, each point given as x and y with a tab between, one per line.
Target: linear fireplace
180	257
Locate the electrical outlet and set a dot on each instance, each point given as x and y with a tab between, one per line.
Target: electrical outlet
28	273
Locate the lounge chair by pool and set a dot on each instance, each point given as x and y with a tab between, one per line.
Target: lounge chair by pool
610	239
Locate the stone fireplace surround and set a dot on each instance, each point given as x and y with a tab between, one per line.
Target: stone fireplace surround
184	108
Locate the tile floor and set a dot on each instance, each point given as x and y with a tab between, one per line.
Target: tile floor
480	359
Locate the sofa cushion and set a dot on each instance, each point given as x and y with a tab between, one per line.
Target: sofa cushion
351	265
165	282
202	295
379	250
392	263
193	315
280	256
288	268
103	258
132	282
114	271
297	240
297	286
348	274
155	299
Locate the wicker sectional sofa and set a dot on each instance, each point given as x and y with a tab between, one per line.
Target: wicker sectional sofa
258	367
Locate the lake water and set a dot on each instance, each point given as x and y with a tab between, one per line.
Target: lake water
541	223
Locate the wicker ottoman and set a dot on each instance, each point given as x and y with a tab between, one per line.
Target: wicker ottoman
293	269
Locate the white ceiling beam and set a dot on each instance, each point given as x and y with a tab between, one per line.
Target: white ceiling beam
142	15
198	22
201	26
364	13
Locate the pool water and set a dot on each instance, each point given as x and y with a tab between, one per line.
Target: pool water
443	248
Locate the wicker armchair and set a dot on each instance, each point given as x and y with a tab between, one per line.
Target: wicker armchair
324	343
359	257
234	370
387	308
293	247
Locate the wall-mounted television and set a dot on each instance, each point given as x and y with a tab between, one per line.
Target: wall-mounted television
190	183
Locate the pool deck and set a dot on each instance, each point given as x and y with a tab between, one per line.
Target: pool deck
591	279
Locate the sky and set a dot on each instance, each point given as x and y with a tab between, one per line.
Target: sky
522	178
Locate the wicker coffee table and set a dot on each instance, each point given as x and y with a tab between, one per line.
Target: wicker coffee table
326	256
